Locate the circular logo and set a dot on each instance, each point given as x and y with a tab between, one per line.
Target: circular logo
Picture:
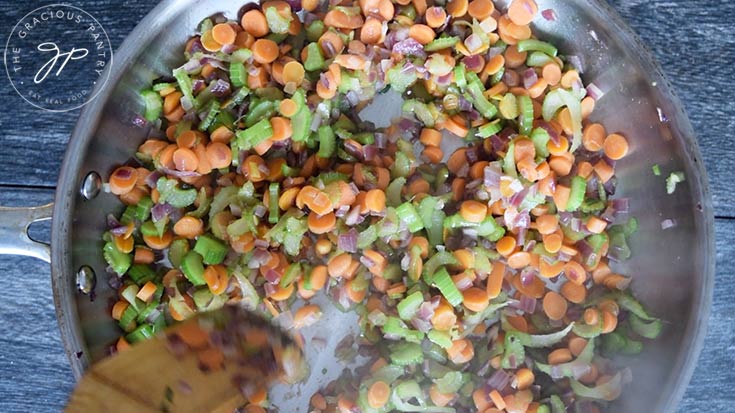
55	57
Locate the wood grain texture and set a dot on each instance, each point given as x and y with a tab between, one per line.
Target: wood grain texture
694	42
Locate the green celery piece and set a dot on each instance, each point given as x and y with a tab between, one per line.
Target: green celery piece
538	59
149	229
117	260
301	121
441	43
129	294
170	192
571	368
509	162
555	100
460	76
290	275
673	179
440	338
441	258
450	382
148	310
206	301
393	192
314	59
489	129
314	30
241	55
238	74
514	349
177	251
490	229
153	105
212	250
525	119
608	391
259	110
588	331
420	110
656	170
127	320
252	136
212	112
204	203
444	283
613	343
367	237
193	269
276	22
225	197
400	81
632	347
273	209
185	85
141	274
408	307
534	45
327	142
406	354
540	139
479	101
408	215
629	303
576	193
142	333
557	406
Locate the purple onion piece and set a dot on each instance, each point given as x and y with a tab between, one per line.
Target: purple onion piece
348	241
530	77
549	15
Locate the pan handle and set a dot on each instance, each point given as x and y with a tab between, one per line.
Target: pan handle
14	239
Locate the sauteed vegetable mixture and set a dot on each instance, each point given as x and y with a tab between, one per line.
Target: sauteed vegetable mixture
481	275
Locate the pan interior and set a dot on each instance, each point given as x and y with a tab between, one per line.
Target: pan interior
672	268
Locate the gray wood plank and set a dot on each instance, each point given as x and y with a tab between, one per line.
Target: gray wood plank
693	43
35	376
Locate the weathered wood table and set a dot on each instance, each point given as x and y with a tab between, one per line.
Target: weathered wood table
694	42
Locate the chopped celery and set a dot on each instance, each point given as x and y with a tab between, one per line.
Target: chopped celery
509	162
673	179
540	139
192	268
118	261
238	74
252	136
529	45
301	121
406	354
176	252
408	307
212	112
327	142
273	209
314	59
290	275
260	110
171	193
441	43
212	250
440	338
153	105
410	217
437	260
555	100
185	85
476	91
421	110
489	129
538	59
142	333
609	391
450	382
444	283
277	23
525	119
576	193
656	170
400	80
141	274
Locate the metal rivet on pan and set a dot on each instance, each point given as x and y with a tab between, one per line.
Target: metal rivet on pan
91	185
86	279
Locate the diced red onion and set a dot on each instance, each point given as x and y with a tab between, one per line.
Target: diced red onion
473	63
621	205
409	47
191	66
370	152
260	257
422	325
527	304
445	80
221	88
575	225
527	276
530	77
473	43
259	210
510	79
549	15
367	262
662	116
229	48
352	98
354	149
272	276
331	51
594	92
668	223
494	51
491	177
160	211
180	174
348	241
464	283
381	140
152	179
341	211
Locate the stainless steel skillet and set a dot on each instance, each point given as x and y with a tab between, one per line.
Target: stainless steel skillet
673	269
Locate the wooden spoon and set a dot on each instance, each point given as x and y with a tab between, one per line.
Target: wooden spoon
205	364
